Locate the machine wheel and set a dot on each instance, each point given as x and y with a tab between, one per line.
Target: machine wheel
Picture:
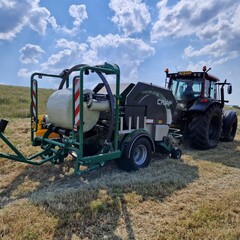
205	128
136	154
176	153
229	127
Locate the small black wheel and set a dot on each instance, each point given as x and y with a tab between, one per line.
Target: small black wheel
176	153
136	154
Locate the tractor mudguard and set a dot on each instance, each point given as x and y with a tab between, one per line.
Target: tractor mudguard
202	104
133	136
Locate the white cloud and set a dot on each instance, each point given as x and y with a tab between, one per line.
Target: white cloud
14	15
71	53
198	66
214	24
24	73
224	33
79	13
187	17
12	18
38	20
63	43
127	52
130	15
30	53
52	20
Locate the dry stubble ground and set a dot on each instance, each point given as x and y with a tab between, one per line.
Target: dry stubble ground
197	197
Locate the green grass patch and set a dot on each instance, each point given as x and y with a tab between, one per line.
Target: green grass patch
15	101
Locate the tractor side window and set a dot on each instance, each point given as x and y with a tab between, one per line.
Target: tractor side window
177	88
210	89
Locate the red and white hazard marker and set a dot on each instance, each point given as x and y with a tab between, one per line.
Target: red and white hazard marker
76	104
34	99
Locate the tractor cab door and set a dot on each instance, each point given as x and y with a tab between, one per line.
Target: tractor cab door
211	90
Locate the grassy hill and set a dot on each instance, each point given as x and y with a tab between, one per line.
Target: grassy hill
197	197
15	101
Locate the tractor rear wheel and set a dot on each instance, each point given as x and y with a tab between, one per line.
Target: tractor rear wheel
136	154
205	128
229	127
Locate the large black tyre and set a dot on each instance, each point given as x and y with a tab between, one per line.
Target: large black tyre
205	128
229	127
136	154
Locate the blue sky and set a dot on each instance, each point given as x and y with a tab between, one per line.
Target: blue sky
142	36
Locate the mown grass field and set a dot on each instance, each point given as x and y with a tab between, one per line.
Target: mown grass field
197	197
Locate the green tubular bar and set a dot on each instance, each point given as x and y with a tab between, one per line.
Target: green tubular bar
75	142
19	156
99	158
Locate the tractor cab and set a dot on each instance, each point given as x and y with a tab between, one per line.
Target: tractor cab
188	86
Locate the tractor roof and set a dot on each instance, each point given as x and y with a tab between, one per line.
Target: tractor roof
212	78
190	74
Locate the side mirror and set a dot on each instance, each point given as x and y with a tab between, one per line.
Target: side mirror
229	89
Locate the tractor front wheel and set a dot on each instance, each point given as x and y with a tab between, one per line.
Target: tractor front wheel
205	128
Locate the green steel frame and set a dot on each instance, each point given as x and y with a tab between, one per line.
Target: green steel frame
55	151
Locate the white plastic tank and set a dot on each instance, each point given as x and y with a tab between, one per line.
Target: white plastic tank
60	107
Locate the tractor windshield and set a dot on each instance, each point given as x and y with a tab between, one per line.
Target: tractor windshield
186	89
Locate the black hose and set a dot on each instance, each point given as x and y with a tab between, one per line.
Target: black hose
65	74
111	103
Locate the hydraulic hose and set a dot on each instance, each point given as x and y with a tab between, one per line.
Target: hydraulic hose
111	103
65	74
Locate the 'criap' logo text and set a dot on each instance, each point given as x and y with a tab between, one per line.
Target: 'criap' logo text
164	103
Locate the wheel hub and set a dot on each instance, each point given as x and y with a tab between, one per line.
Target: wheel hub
140	154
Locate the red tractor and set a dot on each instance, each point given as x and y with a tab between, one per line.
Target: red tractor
200	102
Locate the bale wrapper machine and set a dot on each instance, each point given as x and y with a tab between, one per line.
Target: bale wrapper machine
123	122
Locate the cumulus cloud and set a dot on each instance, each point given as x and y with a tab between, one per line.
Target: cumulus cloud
38	20
97	50
24	73
224	33
30	53
187	17
79	13
14	15
71	53
52	20
127	52
132	16
12	18
214	24
198	66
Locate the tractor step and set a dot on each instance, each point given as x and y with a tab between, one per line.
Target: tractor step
3	125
